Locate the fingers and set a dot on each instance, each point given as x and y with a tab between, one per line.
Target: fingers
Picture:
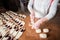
35	26
32	17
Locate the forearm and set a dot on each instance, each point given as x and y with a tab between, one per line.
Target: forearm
30	6
30	9
52	10
42	20
51	14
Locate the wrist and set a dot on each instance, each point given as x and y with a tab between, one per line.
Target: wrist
42	20
45	19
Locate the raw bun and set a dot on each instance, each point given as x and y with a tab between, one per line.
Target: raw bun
46	30
38	30
43	35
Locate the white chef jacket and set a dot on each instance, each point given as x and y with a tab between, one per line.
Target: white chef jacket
40	8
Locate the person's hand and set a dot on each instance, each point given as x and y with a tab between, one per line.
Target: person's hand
32	16
38	23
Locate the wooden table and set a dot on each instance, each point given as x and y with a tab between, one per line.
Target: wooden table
53	25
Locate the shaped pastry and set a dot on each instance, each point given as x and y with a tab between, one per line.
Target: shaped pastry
38	30
46	30
43	35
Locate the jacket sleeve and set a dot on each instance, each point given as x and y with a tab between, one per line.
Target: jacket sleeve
30	4
52	10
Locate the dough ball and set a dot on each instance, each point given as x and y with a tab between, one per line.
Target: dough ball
38	31
46	30
43	35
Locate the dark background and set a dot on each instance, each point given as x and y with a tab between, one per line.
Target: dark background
13	5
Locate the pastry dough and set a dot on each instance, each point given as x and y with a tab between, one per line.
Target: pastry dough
38	31
43	35
46	30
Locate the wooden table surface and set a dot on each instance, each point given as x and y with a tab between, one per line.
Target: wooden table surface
53	25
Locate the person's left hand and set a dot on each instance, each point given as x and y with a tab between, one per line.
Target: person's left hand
38	23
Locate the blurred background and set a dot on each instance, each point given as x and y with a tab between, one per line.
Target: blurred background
20	6
16	5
